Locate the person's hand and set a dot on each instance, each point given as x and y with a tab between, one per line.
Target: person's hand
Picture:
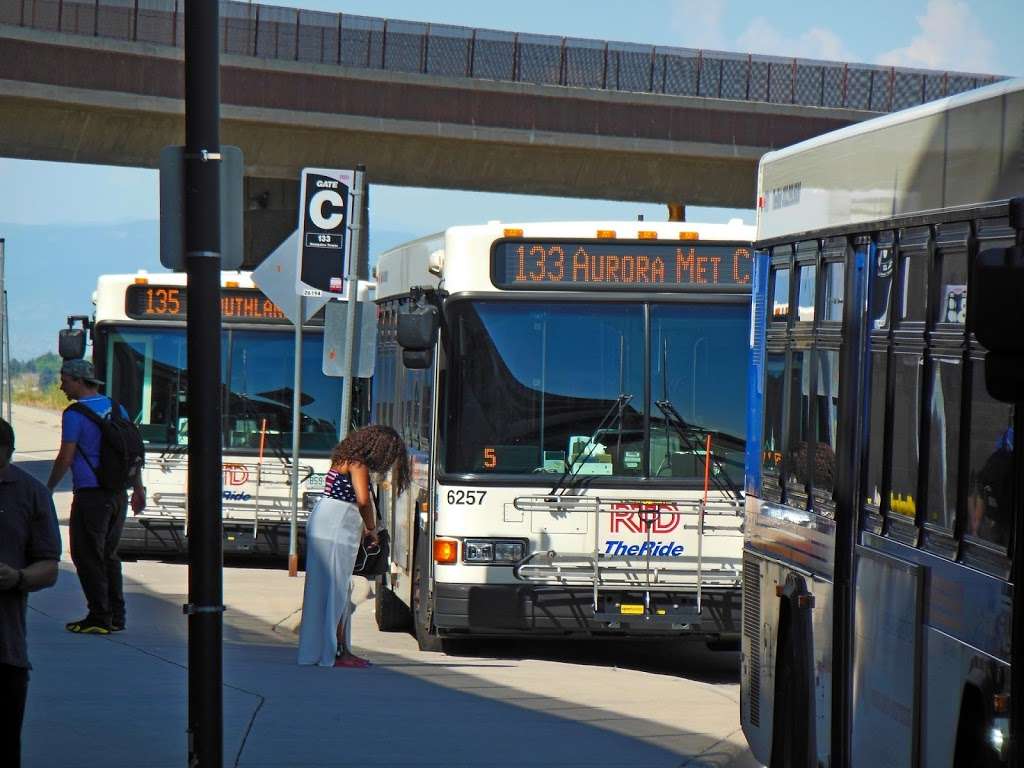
372	536
138	500
8	577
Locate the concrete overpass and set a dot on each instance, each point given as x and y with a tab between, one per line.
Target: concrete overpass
91	81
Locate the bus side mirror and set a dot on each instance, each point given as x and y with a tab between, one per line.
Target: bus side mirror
417	327
996	315
71	343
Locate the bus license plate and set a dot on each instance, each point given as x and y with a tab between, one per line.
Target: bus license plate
631	609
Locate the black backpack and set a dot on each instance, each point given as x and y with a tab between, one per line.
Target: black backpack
122	453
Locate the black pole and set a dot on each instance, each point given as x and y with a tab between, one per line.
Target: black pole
1017	551
202	263
1017	574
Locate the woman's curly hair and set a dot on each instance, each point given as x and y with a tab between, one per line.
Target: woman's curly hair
379	448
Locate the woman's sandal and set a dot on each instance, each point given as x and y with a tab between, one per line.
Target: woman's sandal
351	662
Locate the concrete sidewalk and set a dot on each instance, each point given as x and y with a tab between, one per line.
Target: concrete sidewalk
121	700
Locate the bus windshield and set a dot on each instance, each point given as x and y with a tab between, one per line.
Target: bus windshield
550	387
146	370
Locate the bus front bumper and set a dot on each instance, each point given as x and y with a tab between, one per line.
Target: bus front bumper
513	609
165	537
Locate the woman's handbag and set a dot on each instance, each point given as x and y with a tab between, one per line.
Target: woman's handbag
372	559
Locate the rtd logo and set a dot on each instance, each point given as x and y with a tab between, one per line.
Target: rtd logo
652	516
235	474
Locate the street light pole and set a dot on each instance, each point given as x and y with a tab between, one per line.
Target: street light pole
202	263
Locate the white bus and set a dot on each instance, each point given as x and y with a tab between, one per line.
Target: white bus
882	580
139	350
560	423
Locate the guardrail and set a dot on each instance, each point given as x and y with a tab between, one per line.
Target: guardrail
272	32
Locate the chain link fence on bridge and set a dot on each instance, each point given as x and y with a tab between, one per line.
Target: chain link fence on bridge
272	32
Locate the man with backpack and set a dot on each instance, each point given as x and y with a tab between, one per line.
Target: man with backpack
102	447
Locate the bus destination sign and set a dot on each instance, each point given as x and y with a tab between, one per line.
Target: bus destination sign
619	264
170	302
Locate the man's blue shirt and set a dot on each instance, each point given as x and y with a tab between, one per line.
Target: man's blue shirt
77	428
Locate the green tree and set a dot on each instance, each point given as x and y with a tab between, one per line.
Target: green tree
48	368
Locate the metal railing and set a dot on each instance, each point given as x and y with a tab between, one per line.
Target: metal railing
272	32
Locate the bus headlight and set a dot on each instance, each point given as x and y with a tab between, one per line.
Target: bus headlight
498	551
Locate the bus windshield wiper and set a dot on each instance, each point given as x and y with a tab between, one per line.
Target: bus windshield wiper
687	436
615	412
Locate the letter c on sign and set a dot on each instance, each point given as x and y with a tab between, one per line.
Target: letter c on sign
331	200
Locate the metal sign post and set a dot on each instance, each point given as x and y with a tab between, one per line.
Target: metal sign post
348	360
293	528
320	255
205	607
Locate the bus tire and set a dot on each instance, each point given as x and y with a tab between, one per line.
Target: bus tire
423	631
392	614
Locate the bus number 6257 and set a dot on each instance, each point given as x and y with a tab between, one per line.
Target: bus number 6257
466	497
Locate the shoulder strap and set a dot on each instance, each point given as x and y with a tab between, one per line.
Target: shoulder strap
98	421
88	412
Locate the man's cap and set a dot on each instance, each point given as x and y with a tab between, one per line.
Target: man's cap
81	369
6	434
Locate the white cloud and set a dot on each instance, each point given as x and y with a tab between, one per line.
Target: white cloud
698	23
761	36
950	37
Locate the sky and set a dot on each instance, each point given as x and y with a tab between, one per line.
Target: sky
111	225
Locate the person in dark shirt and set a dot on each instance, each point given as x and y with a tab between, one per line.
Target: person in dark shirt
29	551
97	514
989	503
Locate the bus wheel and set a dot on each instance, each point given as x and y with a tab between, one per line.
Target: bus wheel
391	613
426	638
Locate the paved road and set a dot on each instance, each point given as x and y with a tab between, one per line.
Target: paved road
121	700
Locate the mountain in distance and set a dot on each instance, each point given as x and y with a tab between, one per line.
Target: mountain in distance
51	272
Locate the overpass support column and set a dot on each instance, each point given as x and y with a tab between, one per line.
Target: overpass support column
271	214
677	212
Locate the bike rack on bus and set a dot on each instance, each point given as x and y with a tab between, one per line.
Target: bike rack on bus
600	571
173	505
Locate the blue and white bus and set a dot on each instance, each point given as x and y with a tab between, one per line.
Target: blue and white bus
881	504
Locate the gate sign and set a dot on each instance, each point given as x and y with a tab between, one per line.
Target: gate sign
324	199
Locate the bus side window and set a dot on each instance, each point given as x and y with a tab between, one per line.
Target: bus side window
835	274
905	445
807	282
774	388
875	496
951	307
913	274
780	295
944	389
881	286
798	479
826	421
990	464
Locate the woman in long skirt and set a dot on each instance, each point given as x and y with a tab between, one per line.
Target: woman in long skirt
336	525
